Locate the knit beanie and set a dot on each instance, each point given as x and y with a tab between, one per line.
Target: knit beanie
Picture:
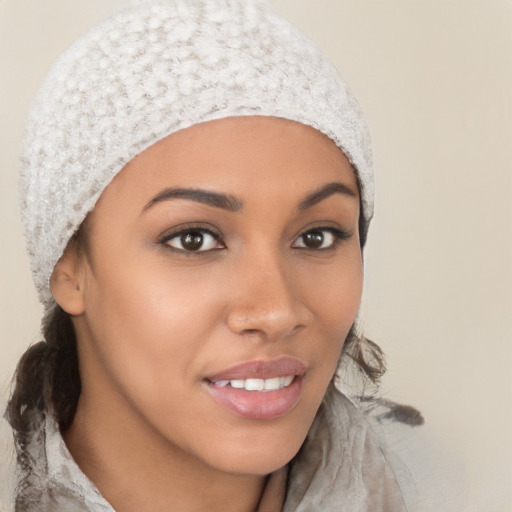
154	68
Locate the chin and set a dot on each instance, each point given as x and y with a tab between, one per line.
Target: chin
264	463
257	454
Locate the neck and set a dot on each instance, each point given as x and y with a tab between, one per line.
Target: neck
133	466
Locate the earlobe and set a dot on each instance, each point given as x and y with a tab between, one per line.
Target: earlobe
66	283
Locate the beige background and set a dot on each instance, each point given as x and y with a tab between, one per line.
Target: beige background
435	79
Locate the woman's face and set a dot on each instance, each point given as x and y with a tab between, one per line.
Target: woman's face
222	260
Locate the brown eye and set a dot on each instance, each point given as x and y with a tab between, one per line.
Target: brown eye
194	240
313	239
319	239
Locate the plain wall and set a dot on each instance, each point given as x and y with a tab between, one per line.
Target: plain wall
435	80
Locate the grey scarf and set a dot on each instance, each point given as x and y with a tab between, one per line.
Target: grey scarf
343	466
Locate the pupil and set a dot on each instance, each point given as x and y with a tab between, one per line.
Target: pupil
192	241
314	239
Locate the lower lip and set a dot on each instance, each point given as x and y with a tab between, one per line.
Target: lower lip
258	405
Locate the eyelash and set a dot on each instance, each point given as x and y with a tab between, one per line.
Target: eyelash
338	236
189	230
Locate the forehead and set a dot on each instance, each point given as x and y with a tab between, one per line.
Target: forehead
253	156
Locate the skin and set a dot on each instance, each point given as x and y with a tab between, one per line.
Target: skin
153	320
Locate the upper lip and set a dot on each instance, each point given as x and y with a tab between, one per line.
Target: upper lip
262	369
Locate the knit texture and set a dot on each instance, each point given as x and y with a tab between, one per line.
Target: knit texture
150	70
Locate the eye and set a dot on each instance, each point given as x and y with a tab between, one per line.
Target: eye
193	240
319	239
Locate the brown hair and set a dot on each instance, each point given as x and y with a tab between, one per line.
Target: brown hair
47	378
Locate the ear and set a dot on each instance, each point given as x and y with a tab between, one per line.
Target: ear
67	284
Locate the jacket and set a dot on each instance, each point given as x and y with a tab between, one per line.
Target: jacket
357	457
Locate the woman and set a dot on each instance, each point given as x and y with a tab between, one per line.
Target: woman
197	188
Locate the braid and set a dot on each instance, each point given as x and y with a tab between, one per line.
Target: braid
46	381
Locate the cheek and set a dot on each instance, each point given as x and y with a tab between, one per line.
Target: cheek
146	327
334	293
334	299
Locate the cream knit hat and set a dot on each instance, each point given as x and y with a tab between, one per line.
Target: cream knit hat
150	70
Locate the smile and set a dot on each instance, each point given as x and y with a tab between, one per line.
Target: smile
271	384
259	390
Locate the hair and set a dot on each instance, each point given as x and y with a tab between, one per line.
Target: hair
47	378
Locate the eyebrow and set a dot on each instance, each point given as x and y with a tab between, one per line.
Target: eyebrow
215	199
324	192
232	204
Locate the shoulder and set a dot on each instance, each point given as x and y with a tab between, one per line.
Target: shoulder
7	465
430	477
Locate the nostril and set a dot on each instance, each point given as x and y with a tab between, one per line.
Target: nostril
266	312
252	333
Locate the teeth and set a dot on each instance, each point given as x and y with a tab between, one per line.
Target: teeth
271	384
286	381
238	384
254	384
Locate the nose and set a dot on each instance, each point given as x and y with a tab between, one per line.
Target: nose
266	301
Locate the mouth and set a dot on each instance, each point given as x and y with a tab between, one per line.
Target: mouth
259	390
272	384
